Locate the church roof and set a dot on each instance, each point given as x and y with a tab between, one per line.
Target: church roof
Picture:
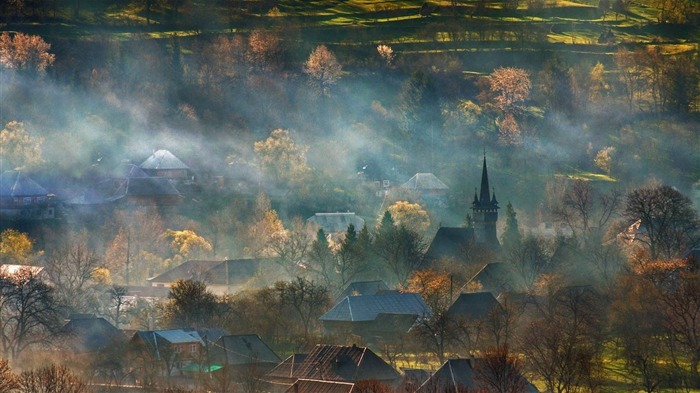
449	242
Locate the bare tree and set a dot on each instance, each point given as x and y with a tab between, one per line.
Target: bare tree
307	300
28	311
583	210
70	268
669	221
291	246
499	371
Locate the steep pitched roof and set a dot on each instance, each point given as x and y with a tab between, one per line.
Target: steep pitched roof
287	368
243	349
157	339
337	222
163	159
424	181
90	334
368	307
344	363
230	271
449	242
363	288
473	306
317	386
456	375
497	278
125	170
18	184
146	186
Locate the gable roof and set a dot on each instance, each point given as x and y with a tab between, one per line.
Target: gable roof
163	159
456	375
345	363
449	242
146	186
242	350
317	386
368	307
473	306
497	278
337	222
363	288
228	272
90	334
288	367
125	170
156	339
424	181
17	184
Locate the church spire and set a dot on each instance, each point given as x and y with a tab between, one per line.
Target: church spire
484	196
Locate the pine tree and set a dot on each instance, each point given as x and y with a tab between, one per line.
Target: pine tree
511	236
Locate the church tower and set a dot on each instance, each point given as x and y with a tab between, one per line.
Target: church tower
485	213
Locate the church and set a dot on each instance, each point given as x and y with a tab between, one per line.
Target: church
480	238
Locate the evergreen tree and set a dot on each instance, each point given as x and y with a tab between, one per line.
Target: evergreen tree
322	258
511	235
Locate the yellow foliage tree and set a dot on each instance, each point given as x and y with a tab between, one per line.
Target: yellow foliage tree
187	242
282	159
411	215
18	148
15	246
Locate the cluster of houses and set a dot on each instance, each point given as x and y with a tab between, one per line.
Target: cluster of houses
213	359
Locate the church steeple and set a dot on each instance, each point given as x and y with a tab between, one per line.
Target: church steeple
484	196
485	212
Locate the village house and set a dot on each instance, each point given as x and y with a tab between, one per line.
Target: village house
459	375
21	198
157	354
163	163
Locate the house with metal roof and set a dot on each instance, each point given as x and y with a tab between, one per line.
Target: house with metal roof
474	306
247	350
163	163
349	364
497	278
88	333
168	351
379	316
462	375
22	198
320	386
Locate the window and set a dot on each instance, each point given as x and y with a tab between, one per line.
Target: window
178	349
193	348
386	183
40	199
27	200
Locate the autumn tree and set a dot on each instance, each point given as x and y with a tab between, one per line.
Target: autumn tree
290	246
24	52
323	69
670	222
411	215
54	379
282	159
186	244
265	51
28	311
190	304
266	225
511	87
8	380
435	331
19	149
15	247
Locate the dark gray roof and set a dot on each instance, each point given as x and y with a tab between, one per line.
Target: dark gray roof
17	184
424	181
457	375
368	307
242	349
473	306
345	363
363	288
147	186
156	339
497	278
125	170
90	334
163	159
449	242
214	272
336	222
